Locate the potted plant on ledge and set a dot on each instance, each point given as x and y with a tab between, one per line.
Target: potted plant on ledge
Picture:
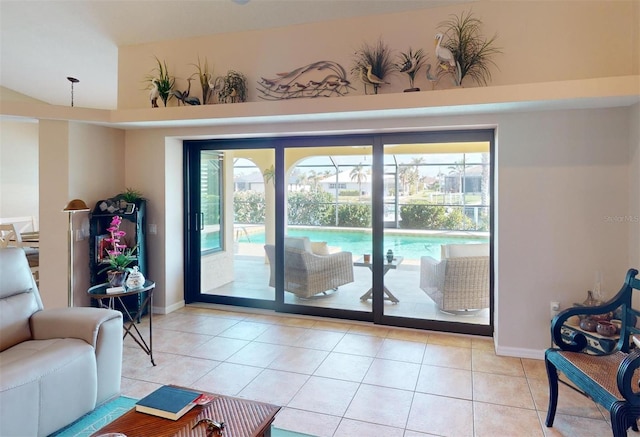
119	256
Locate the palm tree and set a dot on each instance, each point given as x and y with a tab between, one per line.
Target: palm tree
457	169
416	169
303	179
359	175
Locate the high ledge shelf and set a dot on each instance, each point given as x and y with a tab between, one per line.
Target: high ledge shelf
572	94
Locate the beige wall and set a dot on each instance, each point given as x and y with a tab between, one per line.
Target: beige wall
634	187
154	166
18	168
561	174
97	170
76	161
551	44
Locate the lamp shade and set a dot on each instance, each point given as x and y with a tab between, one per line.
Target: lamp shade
76	205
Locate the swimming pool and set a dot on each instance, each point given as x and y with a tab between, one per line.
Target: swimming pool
408	245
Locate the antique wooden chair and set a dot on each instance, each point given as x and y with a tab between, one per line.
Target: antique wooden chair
610	379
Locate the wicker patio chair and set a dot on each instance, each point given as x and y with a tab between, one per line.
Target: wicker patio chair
610	379
460	281
307	274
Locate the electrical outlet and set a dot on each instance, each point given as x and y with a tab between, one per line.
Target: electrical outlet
554	308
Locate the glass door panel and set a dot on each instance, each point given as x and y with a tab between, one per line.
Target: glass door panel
441	195
237	201
328	227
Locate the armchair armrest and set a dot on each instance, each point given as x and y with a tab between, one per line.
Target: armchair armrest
625	377
320	263
80	322
578	341
432	273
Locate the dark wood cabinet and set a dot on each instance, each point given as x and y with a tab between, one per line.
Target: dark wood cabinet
134	224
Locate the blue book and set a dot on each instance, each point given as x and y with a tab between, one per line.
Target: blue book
168	401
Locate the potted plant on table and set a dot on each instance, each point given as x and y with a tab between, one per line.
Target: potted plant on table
119	256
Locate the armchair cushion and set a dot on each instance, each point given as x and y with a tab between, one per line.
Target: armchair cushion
298	243
320	248
463	250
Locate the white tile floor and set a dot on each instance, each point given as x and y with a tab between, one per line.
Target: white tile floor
334	378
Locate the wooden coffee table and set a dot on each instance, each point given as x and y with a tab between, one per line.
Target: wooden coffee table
242	418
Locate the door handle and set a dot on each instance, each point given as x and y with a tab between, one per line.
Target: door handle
200	219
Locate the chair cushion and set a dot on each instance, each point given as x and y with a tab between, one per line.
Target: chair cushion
464	250
320	248
298	243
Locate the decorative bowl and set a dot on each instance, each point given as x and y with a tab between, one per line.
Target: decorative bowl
606	328
588	325
617	323
601	317
573	321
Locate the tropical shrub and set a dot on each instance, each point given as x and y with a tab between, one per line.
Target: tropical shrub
310	208
249	207
422	215
457	220
354	215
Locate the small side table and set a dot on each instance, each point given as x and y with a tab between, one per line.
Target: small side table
387	266
99	293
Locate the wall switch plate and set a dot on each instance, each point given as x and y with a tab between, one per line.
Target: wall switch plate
153	229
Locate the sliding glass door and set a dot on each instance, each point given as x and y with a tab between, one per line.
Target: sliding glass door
369	227
437	204
230	210
327	236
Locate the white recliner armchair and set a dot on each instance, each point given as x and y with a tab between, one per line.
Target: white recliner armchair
460	281
55	365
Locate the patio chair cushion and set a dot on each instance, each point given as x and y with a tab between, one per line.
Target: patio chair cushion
298	243
463	250
320	248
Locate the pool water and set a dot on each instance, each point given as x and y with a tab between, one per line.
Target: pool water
410	246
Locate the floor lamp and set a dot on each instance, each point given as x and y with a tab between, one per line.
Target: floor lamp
75	205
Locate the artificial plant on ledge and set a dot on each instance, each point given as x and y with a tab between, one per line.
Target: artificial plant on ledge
206	79
162	80
471	50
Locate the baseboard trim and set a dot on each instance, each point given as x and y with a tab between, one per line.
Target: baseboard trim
534	354
169	309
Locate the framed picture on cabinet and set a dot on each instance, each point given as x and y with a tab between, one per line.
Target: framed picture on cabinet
101	248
